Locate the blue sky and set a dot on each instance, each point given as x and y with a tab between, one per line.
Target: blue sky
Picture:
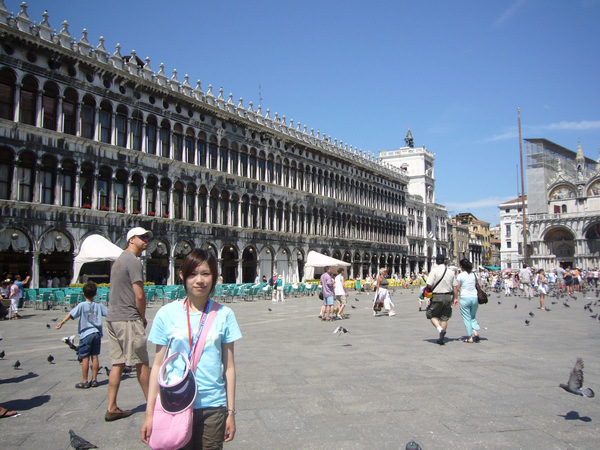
363	72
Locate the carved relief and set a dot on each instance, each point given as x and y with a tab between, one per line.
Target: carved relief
562	192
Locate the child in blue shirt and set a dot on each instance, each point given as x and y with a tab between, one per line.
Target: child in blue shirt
90	333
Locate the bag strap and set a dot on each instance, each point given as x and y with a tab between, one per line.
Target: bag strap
212	313
440	280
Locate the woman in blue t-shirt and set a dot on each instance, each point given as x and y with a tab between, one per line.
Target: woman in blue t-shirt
214	406
468	300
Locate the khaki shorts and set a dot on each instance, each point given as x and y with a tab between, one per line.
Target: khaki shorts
127	342
208	428
440	308
340	300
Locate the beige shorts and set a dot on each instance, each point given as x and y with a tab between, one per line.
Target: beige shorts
340	300
127	342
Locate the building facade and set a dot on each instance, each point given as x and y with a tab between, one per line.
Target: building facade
97	143
562	209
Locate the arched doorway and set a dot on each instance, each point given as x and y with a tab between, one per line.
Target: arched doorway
15	253
182	249
592	237
249	265
229	261
56	259
560	243
157	264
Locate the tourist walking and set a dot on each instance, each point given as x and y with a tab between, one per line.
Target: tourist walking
467	300
542	283
441	283
340	292
382	293
525	280
327	291
508	284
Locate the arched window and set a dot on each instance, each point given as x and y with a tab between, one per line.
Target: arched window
105	119
121	180
301	219
212	153
178	143
271	216
235	201
262	163
48	179
245	211
137	119
279	217
224	207
151	186
202	203
7	94
190	200
223	155
50	106
286	172
69	111
270	169
165	139
263	214
253	163
244	161
151	127
6	173
190	146
213	206
165	187
121	125
178	200
103	187
293	175
564	208
25	176
88	109
233	159
278	171
254	212
135	193
202	149
28	101
86	184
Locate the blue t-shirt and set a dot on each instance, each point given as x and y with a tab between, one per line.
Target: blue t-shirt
91	317
170	320
20	285
467	285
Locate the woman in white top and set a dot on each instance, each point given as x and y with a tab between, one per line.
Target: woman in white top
340	293
542	283
468	300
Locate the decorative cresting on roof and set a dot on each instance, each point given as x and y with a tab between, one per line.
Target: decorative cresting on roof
128	64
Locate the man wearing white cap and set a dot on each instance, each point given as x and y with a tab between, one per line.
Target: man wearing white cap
126	319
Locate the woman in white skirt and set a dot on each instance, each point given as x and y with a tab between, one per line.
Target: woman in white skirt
383	294
542	284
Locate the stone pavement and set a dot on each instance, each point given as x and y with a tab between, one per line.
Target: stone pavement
377	387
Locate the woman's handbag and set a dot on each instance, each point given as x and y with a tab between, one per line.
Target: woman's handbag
173	408
482	297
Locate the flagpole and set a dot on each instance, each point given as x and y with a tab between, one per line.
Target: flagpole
525	255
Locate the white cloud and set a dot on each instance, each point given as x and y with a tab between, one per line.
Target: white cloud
481	203
507	135
581	125
508	13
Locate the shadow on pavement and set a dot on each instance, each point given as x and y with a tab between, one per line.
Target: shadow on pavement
26	404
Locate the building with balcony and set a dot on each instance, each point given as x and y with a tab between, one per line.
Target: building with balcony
94	142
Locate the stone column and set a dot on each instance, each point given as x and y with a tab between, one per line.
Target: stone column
35	270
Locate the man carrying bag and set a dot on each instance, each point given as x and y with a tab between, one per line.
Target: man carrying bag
442	284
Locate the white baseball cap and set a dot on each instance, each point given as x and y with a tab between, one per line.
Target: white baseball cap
138	231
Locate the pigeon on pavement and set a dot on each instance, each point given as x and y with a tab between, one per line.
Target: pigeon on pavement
17	365
574	386
50	359
77	442
2	353
340	330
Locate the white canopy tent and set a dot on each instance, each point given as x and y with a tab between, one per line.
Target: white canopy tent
316	262
94	248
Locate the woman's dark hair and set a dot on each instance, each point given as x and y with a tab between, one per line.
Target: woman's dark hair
89	290
194	259
465	264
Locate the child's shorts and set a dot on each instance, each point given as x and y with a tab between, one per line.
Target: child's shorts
89	345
